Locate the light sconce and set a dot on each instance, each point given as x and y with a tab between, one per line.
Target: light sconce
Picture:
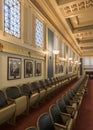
70	59
1	47
29	54
76	62
56	52
45	52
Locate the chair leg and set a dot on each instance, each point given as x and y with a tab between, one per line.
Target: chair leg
12	121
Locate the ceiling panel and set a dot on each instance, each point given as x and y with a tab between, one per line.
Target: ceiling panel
79	17
76	18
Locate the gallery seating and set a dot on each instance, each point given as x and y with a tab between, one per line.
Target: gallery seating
77	99
43	84
54	86
57	83
69	102
48	85
42	90
19	99
7	109
13	93
65	121
35	94
31	128
25	90
69	110
45	122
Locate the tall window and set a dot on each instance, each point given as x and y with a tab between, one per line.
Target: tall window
73	56
39	33
69	55
12	17
91	60
88	60
63	49
56	43
66	51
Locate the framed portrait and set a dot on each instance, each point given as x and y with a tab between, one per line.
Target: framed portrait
38	68
70	68
14	68
61	68
57	68
28	68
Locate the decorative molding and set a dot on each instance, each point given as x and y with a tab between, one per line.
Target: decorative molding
76	7
21	50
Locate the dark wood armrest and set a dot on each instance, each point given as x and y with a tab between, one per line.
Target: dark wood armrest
70	107
73	102
10	101
66	114
59	125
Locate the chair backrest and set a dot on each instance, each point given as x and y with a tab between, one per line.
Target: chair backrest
42	83
45	122
25	89
40	86
69	94
55	79
55	113
62	106
66	99
48	83
31	128
13	92
3	101
52	81
34	87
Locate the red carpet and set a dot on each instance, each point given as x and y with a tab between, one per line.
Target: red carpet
31	119
85	117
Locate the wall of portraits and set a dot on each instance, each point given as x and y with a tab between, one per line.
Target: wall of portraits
59	67
15	69
31	68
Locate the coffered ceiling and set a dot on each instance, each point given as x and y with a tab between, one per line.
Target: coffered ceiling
77	18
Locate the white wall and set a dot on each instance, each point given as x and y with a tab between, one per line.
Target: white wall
4	82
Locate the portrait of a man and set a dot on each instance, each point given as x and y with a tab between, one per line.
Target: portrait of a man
28	70
14	68
38	68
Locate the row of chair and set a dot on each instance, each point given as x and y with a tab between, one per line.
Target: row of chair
63	114
16	100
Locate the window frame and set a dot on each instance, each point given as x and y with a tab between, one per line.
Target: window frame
42	44
9	31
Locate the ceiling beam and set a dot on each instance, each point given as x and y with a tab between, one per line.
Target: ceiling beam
83	29
86	44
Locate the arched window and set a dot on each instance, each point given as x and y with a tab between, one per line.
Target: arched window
39	33
12	17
